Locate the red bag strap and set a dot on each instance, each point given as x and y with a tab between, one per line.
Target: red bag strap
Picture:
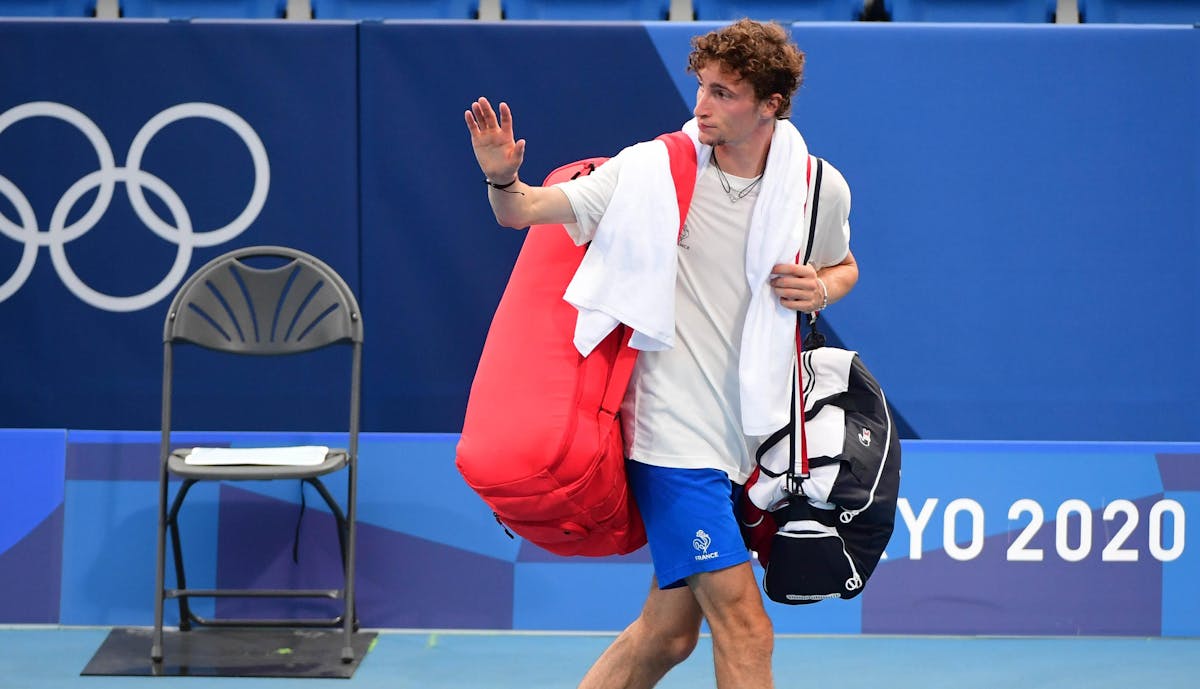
622	370
682	154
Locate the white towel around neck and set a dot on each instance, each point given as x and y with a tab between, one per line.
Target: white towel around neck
628	273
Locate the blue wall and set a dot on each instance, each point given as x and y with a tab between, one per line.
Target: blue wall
991	538
65	362
1025	205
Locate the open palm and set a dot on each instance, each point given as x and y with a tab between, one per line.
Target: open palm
498	153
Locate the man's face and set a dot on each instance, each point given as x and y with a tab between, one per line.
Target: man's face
726	108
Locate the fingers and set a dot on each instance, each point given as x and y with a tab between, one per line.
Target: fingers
478	116
506	123
796	269
484	113
796	286
800	294
483	117
798	301
790	276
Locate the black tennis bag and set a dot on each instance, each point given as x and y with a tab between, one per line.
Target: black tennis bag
820	507
820	534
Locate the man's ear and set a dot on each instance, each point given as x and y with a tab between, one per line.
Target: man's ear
770	105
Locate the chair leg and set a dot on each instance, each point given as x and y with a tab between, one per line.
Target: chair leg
351	615
160	566
185	610
345	541
338	517
169	522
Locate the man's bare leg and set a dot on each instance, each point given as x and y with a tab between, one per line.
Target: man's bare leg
663	635
743	638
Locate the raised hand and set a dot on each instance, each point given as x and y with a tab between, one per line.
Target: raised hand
499	155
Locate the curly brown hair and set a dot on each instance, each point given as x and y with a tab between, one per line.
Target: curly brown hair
759	52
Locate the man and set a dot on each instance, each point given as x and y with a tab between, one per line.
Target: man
689	429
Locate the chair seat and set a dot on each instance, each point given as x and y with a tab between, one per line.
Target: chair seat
177	464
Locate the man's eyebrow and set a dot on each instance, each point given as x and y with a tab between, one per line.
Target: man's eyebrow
720	84
717	83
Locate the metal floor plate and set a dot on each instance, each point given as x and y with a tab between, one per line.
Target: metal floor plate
224	652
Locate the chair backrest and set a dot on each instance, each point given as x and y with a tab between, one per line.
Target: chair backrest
1140	11
587	10
204	9
779	10
47	8
972	11
231	306
395	9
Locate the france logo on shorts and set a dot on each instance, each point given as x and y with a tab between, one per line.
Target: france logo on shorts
701	543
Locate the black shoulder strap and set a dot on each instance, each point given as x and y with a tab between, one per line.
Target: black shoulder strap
814	339
812	223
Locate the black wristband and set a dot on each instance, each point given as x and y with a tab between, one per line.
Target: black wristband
501	187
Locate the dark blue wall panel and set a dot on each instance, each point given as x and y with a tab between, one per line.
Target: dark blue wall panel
434	259
1027	244
1026	218
65	362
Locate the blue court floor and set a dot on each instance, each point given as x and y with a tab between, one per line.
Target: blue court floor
52	657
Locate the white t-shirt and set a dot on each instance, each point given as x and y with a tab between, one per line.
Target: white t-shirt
682	408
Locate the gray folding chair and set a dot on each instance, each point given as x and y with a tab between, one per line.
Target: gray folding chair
236	307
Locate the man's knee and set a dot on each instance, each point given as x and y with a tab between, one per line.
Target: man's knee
732	603
677	648
758	629
744	620
671	644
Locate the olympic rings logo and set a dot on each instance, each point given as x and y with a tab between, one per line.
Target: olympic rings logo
179	232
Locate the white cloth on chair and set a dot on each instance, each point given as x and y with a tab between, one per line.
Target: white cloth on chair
301	455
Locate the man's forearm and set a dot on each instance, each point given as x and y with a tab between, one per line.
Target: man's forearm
839	279
510	204
521	205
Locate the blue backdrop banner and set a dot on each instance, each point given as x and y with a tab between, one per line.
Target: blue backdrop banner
130	154
1027	246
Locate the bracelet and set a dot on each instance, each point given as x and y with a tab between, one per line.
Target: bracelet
501	187
824	295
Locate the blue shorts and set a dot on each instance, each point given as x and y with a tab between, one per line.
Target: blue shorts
690	521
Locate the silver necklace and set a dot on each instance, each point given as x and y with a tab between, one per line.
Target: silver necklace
734	195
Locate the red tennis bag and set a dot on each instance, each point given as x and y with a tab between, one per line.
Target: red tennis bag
541	441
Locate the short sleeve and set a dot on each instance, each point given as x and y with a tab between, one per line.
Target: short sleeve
589	196
832	240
